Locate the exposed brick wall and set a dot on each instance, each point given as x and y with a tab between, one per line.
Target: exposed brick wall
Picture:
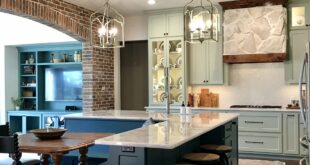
98	77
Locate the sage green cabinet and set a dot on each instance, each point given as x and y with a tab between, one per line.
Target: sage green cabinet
206	63
166	25
297	47
299	14
290	133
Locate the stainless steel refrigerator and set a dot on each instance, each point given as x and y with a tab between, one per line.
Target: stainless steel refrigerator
304	92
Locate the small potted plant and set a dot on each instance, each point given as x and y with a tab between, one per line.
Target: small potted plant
17	102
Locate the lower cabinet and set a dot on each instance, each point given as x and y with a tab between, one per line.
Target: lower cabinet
265	133
24	121
260	142
290	133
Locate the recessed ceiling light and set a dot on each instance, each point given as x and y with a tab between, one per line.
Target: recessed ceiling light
151	2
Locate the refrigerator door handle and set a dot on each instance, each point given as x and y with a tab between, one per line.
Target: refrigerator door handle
302	160
302	108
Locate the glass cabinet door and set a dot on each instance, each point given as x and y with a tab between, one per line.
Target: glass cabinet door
166	53
176	70
157	73
298	16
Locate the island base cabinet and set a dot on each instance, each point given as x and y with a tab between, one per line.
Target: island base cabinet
129	155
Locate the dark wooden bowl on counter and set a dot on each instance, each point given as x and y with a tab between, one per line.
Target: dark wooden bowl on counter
48	133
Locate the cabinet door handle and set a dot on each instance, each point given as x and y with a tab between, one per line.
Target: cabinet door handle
254	122
253	142
291	115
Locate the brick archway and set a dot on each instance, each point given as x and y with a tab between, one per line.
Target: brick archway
98	65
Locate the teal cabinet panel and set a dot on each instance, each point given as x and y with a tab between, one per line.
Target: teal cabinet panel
297	47
290	133
21	121
34	59
24	121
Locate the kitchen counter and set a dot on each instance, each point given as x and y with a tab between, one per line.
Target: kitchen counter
176	108
172	132
163	143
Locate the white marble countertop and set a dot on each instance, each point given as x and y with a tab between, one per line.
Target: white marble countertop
230	109
173	131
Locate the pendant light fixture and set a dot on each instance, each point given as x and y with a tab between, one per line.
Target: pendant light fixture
201	21
107	28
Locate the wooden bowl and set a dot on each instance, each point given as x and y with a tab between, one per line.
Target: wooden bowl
48	133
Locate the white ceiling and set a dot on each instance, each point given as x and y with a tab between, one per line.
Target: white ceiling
133	7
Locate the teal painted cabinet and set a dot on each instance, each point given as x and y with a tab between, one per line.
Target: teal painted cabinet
45	73
297	47
290	133
34	62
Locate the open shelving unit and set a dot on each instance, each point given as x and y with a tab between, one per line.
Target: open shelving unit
33	62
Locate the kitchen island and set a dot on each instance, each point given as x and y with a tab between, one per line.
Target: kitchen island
163	142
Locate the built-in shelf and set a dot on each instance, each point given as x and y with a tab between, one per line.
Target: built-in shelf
61	63
28	86
28	75
28	64
28	97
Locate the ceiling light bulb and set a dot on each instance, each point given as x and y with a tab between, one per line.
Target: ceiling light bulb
102	31
151	2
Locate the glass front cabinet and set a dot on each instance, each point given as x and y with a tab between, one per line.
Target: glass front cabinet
299	15
168	53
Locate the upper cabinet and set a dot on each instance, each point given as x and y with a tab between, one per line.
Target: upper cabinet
206	62
297	48
299	15
166	25
299	24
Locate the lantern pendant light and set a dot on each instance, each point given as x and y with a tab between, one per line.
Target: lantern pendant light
107	28
201	21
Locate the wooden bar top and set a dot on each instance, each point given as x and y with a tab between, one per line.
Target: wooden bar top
69	141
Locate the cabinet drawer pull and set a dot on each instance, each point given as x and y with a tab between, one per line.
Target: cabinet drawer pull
253	142
254	122
291	115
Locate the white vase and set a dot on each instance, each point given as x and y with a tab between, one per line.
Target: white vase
17	107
